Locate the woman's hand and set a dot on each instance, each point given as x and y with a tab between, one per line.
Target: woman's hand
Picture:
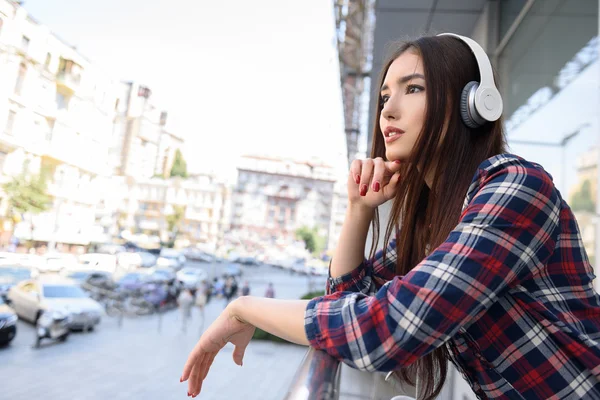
372	182
226	328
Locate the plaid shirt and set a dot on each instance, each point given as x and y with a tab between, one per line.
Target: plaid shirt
509	293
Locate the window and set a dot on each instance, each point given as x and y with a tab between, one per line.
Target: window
48	60
62	100
10	122
20	78
24	43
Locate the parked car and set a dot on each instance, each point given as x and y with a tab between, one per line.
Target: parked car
148	259
11	274
171	258
247	261
56	262
198	255
23	259
8	323
98	261
129	261
82	275
191	277
57	295
232	270
163	275
135	280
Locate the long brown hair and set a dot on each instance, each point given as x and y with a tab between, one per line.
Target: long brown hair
448	152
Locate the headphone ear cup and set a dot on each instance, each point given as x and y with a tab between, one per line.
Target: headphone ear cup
469	114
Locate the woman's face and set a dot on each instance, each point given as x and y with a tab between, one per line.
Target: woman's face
404	103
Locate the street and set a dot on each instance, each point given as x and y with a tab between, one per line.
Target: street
145	356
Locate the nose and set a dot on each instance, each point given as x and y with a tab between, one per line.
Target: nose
390	110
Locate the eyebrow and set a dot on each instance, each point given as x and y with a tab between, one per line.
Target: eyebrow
404	79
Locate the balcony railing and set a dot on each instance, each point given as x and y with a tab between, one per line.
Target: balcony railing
318	378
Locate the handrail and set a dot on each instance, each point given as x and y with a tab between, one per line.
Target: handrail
318	378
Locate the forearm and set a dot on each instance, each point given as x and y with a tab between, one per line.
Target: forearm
283	318
350	250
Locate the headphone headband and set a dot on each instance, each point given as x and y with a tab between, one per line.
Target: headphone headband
487	99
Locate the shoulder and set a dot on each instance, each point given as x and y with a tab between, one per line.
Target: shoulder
510	170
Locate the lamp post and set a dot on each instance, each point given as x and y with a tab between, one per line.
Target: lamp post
562	144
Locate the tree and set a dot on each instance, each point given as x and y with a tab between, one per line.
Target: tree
174	221
179	167
312	241
582	199
26	194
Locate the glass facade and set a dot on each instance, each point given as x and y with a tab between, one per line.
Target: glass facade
549	78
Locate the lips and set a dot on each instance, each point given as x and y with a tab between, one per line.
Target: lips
392	133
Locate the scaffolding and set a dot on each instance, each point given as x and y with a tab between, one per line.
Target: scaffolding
355	22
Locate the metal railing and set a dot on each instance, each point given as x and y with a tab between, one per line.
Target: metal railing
318	378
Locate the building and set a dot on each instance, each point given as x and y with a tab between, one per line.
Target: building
55	110
168	145
548	76
141	147
141	209
338	213
274	197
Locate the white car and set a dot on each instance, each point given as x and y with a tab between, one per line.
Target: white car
58	296
56	262
98	261
191	277
171	258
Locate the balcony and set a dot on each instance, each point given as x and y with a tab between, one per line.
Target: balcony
68	80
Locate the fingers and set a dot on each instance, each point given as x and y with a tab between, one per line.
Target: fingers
379	171
355	169
238	354
389	191
189	364
393	166
365	176
199	372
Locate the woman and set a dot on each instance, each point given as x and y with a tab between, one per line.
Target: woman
487	267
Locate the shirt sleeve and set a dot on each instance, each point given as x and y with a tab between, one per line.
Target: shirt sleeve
369	276
508	231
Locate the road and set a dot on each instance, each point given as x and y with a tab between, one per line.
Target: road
143	358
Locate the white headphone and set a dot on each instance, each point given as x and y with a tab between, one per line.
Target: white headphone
480	101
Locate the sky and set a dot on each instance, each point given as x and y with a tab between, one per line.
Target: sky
236	77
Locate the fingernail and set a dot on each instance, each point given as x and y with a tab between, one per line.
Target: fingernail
376	186
357	179
181	379
397	161
189	394
363	190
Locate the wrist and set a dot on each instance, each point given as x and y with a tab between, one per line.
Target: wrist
358	210
236	309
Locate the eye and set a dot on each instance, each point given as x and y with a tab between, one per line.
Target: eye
383	99
410	89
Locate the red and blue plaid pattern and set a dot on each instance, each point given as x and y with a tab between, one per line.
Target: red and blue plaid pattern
509	293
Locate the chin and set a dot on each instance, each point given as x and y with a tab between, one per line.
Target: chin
392	155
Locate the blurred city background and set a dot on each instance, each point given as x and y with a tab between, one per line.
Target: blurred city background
157	155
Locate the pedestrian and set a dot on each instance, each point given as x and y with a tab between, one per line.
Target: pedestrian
246	289
185	302
270	292
483	260
231	289
201	301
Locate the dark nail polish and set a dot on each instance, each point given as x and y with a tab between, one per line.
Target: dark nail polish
357	179
363	190
376	186
397	161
